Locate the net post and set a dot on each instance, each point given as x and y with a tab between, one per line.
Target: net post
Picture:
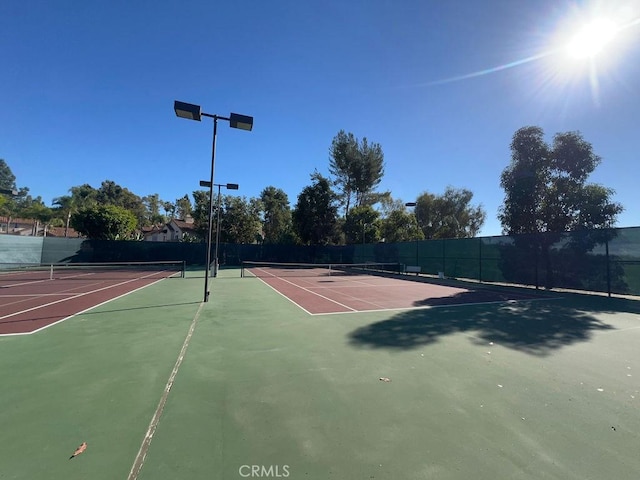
184	269
51	272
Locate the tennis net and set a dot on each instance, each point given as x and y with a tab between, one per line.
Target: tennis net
275	269
106	270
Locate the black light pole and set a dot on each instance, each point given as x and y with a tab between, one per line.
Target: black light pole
364	258
228	186
243	122
413	204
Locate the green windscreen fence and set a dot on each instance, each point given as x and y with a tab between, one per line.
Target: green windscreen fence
20	249
590	260
60	250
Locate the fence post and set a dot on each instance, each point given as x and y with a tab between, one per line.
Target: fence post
480	259
608	268
444	257
536	262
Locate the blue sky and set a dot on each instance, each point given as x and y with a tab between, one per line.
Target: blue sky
87	92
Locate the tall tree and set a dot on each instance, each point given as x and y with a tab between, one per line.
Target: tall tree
450	215
110	193
315	214
240	222
358	168
65	208
400	226
200	211
546	187
66	205
362	225
83	195
276	222
105	222
546	194
8	205
183	207
7	178
169	209
152	204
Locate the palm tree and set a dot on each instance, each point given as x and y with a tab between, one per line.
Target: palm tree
65	204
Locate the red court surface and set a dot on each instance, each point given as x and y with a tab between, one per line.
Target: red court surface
364	293
31	301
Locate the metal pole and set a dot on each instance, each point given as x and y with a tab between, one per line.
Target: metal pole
208	260
608	269
215	258
364	258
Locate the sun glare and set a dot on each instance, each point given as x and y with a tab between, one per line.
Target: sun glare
592	38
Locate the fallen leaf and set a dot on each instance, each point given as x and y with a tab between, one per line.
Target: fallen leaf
79	450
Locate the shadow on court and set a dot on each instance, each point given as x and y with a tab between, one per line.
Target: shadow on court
537	328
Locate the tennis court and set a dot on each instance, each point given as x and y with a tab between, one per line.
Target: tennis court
36	296
349	288
249	385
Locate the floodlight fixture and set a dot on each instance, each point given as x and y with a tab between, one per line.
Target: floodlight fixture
243	122
187	110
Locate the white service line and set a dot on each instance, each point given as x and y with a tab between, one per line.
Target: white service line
146	442
284	296
80	312
61	294
317	294
76	296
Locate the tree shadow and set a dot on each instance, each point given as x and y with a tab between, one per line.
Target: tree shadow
534	327
478	295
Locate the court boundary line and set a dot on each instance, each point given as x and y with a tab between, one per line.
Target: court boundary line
284	296
77	313
308	291
138	462
428	307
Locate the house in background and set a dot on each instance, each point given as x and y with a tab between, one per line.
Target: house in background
59	232
20	226
174	231
33	228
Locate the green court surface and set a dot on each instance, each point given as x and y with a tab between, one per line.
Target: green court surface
548	388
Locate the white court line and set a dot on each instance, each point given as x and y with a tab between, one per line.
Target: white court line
618	330
313	293
146	442
38	295
31	282
284	296
452	305
393	309
73	297
80	312
358	299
